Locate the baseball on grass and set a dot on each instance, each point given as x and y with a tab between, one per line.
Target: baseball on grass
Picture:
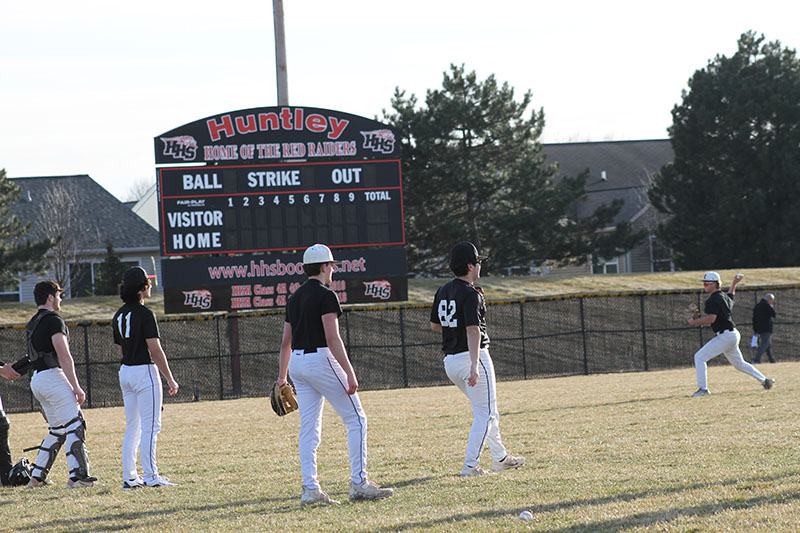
526	515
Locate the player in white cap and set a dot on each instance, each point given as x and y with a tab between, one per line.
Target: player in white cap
313	353
726	337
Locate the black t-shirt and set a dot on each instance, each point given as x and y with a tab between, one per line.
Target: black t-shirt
133	324
720	304
42	339
457	305
304	312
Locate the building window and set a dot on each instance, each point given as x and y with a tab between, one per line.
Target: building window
9	292
606	267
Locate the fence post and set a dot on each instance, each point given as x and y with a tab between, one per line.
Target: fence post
644	332
219	360
522	335
88	366
347	331
583	334
403	348
236	369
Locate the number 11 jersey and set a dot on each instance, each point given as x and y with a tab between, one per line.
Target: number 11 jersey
459	304
133	324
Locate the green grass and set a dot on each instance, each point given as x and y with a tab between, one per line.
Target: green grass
615	452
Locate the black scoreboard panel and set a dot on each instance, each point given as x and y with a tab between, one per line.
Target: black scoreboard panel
205	210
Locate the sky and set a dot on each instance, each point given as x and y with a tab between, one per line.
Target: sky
85	86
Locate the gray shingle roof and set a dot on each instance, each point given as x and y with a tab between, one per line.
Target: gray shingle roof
628	165
102	212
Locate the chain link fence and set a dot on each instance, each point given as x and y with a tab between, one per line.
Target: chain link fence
228	355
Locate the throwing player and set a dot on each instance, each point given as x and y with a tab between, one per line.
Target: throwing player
718	309
459	313
314	355
55	385
136	333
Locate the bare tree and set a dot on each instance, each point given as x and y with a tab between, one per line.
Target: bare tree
139	188
60	219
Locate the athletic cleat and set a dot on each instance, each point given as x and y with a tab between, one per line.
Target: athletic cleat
313	496
701	392
368	491
160	481
768	383
507	463
81	483
473	471
35	483
133	484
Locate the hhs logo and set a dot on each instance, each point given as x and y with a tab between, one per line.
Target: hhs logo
378	289
379	141
199	299
181	147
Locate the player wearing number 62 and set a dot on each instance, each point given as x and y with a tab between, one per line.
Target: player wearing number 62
136	333
459	312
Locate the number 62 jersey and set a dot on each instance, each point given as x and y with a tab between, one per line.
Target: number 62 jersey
459	304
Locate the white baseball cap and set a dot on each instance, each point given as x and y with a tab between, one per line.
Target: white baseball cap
318	253
711	276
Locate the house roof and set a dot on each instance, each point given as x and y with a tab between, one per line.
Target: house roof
628	167
102	213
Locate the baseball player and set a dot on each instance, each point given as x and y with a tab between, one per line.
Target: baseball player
726	337
55	385
763	319
136	333
459	313
314	355
5	449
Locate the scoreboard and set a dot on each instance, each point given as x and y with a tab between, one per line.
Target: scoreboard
274	207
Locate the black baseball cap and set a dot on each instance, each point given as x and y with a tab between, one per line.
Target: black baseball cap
135	276
464	253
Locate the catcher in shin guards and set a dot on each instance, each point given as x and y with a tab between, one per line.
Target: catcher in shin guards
282	399
726	338
55	385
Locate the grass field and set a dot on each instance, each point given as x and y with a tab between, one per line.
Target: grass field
615	452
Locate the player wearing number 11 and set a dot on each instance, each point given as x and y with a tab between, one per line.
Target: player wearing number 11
136	333
459	312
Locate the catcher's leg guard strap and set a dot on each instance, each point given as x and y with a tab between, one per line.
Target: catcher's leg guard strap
77	458
5	449
48	450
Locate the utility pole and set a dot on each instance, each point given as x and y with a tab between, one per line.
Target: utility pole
280	53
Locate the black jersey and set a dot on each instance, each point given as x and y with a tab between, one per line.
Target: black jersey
459	304
133	324
720	304
42	339
304	312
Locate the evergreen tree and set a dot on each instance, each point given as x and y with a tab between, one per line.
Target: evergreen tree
17	254
109	273
733	188
474	170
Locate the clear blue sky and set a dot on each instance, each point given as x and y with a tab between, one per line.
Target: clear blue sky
85	86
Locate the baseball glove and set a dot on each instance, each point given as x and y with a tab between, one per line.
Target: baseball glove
282	399
691	311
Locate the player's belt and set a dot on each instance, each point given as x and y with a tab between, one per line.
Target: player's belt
723	331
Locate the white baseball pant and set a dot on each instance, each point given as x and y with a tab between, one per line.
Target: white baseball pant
318	377
726	343
483	397
143	396
52	390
